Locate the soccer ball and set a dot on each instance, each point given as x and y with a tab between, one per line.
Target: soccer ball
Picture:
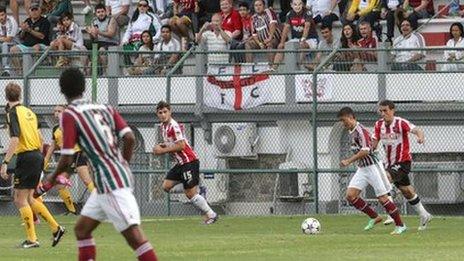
311	226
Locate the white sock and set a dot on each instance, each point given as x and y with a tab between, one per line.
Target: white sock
391	199
201	204
418	206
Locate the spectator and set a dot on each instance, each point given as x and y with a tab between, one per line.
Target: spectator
368	40
387	13
216	40
61	7
207	9
141	20
414	10
166	53
349	40
327	44
69	37
323	11
302	27
14	6
407	60
119	9
185	12
266	32
454	57
145	59
244	11
284	7
34	35
366	10
8	31
231	21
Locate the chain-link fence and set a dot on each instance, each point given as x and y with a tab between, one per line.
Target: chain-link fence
265	146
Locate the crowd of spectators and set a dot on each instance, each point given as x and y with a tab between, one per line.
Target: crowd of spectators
157	29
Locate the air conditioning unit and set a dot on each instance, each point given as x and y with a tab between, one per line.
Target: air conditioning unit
215	186
303	181
439	187
235	139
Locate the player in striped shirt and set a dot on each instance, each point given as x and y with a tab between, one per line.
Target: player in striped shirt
369	172
187	169
393	132
96	129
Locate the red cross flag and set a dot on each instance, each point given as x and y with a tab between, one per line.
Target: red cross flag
236	87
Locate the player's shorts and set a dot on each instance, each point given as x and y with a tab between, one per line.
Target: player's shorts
400	173
79	160
28	169
373	175
188	174
118	206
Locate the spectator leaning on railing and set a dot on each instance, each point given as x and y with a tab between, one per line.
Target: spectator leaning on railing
8	31
34	35
69	37
216	40
407	60
454	58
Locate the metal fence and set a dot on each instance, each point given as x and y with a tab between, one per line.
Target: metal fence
277	148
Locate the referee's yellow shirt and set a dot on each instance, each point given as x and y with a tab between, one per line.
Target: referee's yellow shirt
22	123
58	138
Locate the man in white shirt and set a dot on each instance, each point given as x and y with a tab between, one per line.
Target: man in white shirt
323	11
8	31
216	40
119	9
407	60
166	53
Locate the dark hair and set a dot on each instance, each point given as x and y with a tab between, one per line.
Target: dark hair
345	111
72	83
12	92
413	22
388	103
167	27
151	38
100	6
162	105
262	1
326	26
354	38
459	25
66	15
243	4
2	9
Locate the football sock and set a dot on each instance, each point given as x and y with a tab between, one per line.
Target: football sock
26	216
87	250
417	205
145	252
90	186
390	198
65	195
393	211
200	202
40	209
362	205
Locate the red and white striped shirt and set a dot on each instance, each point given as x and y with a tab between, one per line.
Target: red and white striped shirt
395	139
174	132
361	140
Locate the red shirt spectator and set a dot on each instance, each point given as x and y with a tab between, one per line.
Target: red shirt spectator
247	29
231	20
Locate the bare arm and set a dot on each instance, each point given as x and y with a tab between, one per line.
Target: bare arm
111	29
128	145
416	57
160	150
49	154
419	134
361	154
422	6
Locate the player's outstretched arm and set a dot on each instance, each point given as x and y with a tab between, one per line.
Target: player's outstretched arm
13	144
361	154
128	145
419	134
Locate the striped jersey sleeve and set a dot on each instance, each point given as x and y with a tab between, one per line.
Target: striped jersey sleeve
70	137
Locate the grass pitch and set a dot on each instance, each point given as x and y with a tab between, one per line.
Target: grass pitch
252	238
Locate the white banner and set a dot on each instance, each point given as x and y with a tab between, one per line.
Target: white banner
237	87
304	87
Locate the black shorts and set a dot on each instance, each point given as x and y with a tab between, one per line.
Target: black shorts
400	173
28	169
79	160
188	174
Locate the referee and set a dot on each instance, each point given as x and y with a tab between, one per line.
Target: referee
26	142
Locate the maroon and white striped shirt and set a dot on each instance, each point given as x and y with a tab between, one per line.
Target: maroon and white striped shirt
96	127
173	132
361	140
261	25
395	139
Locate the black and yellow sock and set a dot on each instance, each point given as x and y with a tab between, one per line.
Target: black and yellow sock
40	209
65	195
26	216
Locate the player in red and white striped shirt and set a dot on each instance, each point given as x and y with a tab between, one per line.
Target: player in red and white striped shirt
369	172
96	128
393	132
187	169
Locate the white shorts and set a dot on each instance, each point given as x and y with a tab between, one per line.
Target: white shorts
373	175
118	206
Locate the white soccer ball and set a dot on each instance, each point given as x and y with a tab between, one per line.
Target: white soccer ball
311	226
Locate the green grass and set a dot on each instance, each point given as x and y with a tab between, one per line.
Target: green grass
253	238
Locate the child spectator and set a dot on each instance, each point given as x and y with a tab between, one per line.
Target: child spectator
69	37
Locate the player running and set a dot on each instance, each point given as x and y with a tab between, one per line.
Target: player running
394	132
187	169
369	172
96	129
26	142
79	165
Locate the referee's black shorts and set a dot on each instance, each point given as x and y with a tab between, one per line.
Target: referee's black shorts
28	169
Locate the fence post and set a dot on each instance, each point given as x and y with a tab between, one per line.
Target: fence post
382	63
290	67
27	65
314	125
94	71
113	72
